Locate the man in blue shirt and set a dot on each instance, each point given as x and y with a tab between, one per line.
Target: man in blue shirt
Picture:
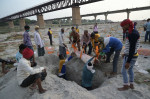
111	45
147	27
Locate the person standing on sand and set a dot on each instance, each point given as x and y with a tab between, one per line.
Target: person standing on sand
95	28
86	41
26	75
76	39
62	45
111	45
130	54
27	39
147	28
49	33
39	42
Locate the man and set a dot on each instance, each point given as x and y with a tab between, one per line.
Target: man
76	39
130	54
26	75
19	53
27	40
85	41
94	39
50	36
77	29
87	75
111	45
147	27
72	29
39	42
62	65
95	28
62	45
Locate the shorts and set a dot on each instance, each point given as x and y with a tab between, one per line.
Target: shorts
31	79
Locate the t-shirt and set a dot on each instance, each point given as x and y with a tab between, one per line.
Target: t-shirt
18	56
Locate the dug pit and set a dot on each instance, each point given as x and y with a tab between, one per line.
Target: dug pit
74	69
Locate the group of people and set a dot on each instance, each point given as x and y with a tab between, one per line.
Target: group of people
28	75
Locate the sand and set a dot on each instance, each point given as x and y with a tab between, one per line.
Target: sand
58	88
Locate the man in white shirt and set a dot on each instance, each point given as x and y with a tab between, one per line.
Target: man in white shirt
62	46
26	75
39	42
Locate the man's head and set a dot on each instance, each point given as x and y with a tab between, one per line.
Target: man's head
127	24
27	53
86	32
92	35
37	27
22	47
49	28
62	30
27	28
72	28
61	56
148	20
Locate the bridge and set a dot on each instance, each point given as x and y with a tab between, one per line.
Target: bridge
128	11
48	7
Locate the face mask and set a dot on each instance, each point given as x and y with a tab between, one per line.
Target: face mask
27	30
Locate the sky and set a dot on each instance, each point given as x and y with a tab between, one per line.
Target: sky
8	7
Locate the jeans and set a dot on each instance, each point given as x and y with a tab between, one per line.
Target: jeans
130	70
147	36
90	48
115	59
62	50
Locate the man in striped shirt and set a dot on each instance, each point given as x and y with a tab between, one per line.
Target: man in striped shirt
130	53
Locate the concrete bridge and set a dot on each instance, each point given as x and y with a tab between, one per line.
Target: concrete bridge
48	7
128	11
58	5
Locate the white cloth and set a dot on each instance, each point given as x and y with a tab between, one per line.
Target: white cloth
90	68
24	69
38	40
61	39
106	40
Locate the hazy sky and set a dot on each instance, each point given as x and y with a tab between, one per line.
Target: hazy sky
8	7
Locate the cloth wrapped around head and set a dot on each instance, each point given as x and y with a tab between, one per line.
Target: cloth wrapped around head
125	22
27	53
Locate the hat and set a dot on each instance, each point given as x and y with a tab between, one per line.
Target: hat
37	27
125	22
27	53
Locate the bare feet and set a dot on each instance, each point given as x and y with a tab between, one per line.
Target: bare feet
42	91
33	87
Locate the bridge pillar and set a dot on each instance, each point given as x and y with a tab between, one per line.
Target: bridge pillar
69	20
76	18
106	17
128	14
95	18
11	24
22	23
59	23
40	21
